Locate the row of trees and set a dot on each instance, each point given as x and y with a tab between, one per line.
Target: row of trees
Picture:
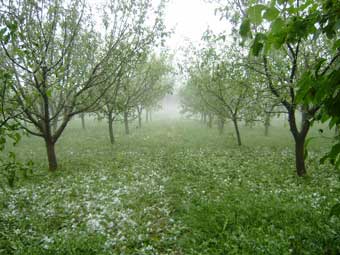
285	57
220	86
55	64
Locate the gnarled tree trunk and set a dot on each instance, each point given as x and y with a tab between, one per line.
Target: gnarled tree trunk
51	155
299	139
237	131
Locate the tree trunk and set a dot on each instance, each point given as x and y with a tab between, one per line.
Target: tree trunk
299	138
82	116
210	119
150	116
204	118
303	117
266	124
112	138
146	116
126	123
300	155
237	132
139	118
54	121
51	156
221	126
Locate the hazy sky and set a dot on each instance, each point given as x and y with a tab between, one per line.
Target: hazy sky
191	18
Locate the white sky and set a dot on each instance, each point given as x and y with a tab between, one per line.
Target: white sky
191	18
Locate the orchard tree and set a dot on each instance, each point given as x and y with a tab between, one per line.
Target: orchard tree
223	85
190	95
289	28
143	88
157	83
139	85
58	61
281	35
191	99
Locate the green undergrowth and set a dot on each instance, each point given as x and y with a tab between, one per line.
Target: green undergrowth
171	188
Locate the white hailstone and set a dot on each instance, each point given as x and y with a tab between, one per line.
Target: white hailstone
148	248
116	200
94	224
109	244
47	240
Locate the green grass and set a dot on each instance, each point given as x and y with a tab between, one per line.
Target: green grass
171	188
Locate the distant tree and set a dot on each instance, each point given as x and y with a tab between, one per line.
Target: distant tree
222	85
158	84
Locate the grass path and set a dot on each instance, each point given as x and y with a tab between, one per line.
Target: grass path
171	188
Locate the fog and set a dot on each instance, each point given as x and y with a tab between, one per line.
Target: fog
169	108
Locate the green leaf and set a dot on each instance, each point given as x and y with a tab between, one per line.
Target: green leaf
245	29
319	64
255	13
13	26
332	155
11	155
278	26
2	140
2	32
258	44
49	92
335	211
271	14
256	48
336	44
278	33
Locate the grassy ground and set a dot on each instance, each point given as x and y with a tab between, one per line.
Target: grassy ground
171	188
